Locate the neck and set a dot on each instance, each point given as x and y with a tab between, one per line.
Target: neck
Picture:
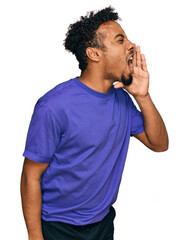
96	81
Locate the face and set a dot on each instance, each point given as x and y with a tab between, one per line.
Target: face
118	50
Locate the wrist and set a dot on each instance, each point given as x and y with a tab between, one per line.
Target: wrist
35	236
39	238
142	98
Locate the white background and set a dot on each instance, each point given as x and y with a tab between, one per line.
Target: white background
153	201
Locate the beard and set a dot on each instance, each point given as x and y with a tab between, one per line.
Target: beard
123	79
126	81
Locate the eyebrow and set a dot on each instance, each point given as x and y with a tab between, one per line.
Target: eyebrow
119	35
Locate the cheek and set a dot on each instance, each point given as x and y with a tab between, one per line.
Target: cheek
120	64
117	62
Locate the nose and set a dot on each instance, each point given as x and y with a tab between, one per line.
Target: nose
130	46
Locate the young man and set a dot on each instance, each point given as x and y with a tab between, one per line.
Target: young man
79	134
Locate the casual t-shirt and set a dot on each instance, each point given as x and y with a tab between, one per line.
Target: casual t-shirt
84	136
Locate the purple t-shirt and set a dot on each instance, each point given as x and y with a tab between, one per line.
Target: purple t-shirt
84	135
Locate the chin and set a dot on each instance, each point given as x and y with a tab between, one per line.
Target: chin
126	81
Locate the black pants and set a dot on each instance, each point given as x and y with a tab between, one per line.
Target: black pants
103	230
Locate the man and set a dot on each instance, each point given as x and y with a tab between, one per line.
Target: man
79	134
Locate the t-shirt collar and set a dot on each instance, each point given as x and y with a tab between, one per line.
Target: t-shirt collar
92	91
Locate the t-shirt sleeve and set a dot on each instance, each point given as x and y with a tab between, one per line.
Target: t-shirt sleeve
43	135
137	121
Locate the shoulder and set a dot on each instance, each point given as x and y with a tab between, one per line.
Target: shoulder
53	102
55	98
55	94
59	96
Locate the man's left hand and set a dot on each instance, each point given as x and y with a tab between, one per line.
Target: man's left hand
140	83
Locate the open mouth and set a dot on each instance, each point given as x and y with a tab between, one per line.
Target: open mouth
130	63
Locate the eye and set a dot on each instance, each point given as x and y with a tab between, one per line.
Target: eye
121	40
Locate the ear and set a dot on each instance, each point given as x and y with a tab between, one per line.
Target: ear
93	53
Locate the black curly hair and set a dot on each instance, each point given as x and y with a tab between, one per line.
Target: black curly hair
82	34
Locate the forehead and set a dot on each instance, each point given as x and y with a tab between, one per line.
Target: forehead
110	29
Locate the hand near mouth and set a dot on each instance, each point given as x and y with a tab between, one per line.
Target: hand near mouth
140	83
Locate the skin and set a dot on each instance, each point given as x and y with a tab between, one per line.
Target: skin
31	197
104	68
108	66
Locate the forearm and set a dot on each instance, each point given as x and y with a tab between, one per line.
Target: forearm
154	126
31	204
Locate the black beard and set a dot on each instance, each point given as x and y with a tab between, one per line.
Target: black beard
126	81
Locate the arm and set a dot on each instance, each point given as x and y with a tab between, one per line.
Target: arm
31	197
155	135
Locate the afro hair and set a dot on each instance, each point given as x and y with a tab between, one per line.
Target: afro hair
82	34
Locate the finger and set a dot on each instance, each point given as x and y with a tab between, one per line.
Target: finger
118	85
138	59
144	65
134	56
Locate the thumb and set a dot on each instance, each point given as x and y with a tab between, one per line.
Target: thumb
118	85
